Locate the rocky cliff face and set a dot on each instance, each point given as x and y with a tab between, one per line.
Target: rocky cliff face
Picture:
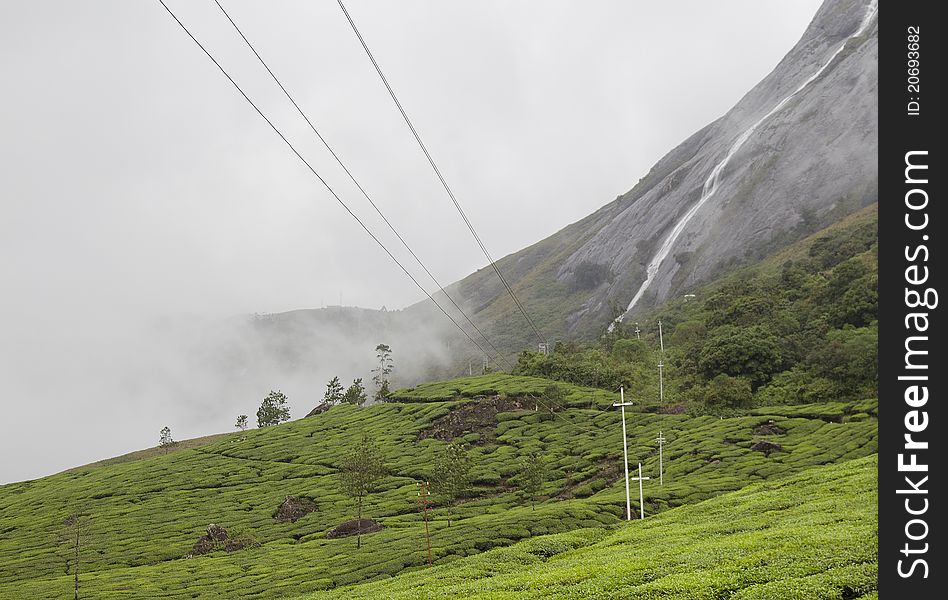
795	154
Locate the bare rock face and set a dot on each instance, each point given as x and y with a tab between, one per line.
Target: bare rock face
796	153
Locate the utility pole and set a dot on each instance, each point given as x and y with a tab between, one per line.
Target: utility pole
625	453
637	332
641	495
661	440
423	501
661	366
470	368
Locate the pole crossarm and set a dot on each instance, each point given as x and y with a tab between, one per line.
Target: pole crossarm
640	479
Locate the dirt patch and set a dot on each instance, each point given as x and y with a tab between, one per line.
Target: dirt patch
217	538
672	409
294	508
769	428
477	416
354	527
767	447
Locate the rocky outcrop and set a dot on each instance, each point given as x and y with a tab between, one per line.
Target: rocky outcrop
806	165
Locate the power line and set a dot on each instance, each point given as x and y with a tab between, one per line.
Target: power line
318	176
357	184
437	171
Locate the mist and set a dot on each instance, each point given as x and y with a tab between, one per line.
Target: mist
147	213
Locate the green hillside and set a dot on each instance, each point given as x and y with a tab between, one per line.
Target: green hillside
798	327
141	517
810	537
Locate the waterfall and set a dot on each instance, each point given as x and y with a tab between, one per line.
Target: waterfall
711	183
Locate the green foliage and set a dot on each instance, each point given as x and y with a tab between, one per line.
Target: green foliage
554	398
798	327
242	422
533	476
796	386
752	352
149	508
382	371
355	393
273	410
334	392
781	539
361	470
452	474
722	396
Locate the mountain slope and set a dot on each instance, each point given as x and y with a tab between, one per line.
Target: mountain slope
808	536
809	160
143	516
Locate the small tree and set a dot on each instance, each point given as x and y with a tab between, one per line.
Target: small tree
359	472
74	541
383	369
355	393
241	423
554	397
452	474
273	410
334	392
165	441
533	474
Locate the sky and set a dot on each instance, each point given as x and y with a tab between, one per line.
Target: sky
139	193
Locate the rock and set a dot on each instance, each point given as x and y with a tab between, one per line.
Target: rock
769	428
294	508
320	409
767	447
354	527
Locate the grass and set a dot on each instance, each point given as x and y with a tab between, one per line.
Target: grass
146	512
811	536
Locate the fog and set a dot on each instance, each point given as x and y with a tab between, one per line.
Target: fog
145	210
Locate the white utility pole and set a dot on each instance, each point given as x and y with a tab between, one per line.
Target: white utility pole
661	440
625	454
637	331
641	495
661	366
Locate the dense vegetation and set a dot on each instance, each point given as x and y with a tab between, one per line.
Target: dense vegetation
768	372
812	536
798	328
143	516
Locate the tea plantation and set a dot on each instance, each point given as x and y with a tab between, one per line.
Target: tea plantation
141	516
811	536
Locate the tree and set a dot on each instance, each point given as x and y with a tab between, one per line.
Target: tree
533	474
355	393
752	352
554	397
359	472
452	474
74	541
383	369
241	422
722	395
334	392
165	441
273	410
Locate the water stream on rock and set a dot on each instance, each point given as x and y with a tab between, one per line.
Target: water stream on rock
711	183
